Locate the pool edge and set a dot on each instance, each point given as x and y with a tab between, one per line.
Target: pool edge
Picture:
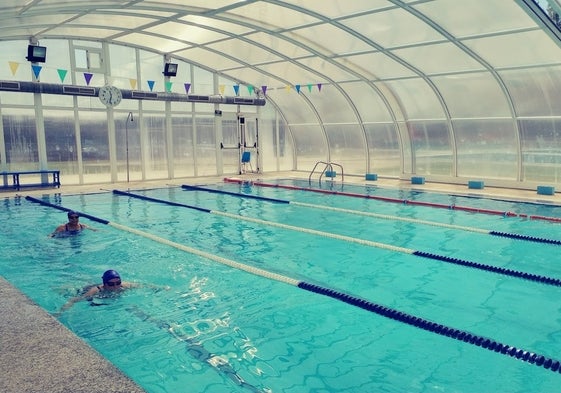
39	354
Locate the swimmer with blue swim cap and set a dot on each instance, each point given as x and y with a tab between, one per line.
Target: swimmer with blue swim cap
111	285
72	227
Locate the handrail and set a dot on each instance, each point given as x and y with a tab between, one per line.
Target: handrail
328	165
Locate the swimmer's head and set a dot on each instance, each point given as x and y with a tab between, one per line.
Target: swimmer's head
72	213
110	275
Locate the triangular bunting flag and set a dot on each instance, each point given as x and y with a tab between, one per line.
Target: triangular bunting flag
62	74
13	67
132	82
319	86
169	84
250	90
264	89
88	77
237	89
36	70
187	87
221	89
151	85
310	87
297	88
287	88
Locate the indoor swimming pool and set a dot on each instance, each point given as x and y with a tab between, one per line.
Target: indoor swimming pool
287	287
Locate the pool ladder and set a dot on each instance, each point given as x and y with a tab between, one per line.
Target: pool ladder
327	171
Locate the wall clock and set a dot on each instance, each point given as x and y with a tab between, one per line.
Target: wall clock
110	95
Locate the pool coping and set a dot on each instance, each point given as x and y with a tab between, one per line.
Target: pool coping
39	354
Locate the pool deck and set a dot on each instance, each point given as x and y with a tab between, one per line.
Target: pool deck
39	354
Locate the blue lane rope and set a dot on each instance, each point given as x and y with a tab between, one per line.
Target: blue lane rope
383	216
387	312
197	188
441	258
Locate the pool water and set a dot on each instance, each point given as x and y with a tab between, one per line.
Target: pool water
197	325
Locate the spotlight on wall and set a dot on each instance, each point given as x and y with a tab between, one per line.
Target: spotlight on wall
170	69
36	53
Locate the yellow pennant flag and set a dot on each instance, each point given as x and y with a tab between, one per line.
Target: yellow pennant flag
132	83
13	67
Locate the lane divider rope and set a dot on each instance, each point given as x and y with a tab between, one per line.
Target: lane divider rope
383	216
441	258
387	312
402	201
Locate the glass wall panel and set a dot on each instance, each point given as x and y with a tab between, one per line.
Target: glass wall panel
418	100
383	149
541	150
535	91
275	143
486	148
155	155
332	106
310	146
431	148
203	82
368	102
230	140
183	146
94	139
473	95
58	57
347	147
20	137
299	110
15	52
151	67
123	65
62	151
205	146
127	135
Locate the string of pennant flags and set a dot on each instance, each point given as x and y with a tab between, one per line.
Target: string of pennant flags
14	66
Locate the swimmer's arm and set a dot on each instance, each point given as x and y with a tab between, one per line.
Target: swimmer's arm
60	228
92	291
84	226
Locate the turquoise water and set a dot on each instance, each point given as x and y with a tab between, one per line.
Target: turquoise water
275	336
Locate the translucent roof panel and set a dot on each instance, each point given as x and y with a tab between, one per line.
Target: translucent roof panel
368	102
418	99
476	17
473	95
328	40
439	58
542	85
392	28
510	50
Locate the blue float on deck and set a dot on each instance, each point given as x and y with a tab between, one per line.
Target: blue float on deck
331	174
371	176
476	184
417	180
546	190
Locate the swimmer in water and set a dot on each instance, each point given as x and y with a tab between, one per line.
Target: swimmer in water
111	285
72	227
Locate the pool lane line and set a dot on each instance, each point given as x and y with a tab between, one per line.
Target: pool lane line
383	216
402	201
456	261
387	312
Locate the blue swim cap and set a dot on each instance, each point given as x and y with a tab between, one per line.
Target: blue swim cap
73	213
109	275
